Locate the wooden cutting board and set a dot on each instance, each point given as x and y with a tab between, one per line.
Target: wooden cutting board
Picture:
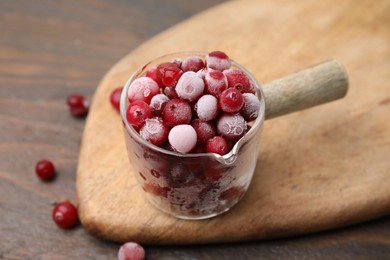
318	169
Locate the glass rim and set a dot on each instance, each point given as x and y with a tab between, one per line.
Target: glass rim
222	158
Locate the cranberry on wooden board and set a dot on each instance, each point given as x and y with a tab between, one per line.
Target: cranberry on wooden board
78	105
45	170
65	215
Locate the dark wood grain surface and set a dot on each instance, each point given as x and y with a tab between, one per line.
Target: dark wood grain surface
50	49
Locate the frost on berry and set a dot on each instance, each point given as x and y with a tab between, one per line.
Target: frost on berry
143	89
190	86
137	112
231	126
182	138
158	103
250	110
237	79
217	60
231	100
215	82
207	107
217	145
131	251
177	112
155	131
152	73
204	130
192	63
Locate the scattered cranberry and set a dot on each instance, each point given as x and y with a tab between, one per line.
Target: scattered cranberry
115	97
78	105
204	130
192	63
218	60
237	79
157	104
190	86
65	215
131	251
182	138
137	113
143	89
177	112
217	145
216	82
155	131
207	107
45	170
168	73
231	100
250	110
231	126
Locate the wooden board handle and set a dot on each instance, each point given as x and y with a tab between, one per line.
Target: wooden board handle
310	87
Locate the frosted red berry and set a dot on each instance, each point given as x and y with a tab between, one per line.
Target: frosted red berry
143	89
78	105
131	251
177	112
155	131
207	107
231	100
45	170
115	97
182	138
215	82
152	73
170	92
157	104
218	60
168	73
250	110
65	215
237	79
190	86
192	63
231	126
137	112
204	130
217	145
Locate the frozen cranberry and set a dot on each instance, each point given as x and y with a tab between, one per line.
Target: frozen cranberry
131	251
137	113
204	130
202	72
192	63
182	138
179	175
177	112
170	92
65	215
143	89
231	100
78	105
155	131
217	145
231	126
237	79
190	86
45	170
156	189
207	107
215	82
168	73
152	73
177	61
115	97
250	110
217	60
158	103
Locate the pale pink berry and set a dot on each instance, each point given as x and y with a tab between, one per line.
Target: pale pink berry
192	63
217	145
157	104
190	86
237	79
204	130
217	60
143	88
177	112
131	251
207	107
182	138
231	100
250	110
231	126
155	131
137	112
202	72
215	82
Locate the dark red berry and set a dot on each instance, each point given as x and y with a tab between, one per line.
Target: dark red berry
238	79
155	131
168	73
45	170
177	112
231	100
217	145
137	113
192	63
152	73
215	82
170	92
204	130
78	105
115	97
65	215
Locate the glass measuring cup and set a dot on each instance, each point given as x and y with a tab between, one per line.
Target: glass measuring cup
196	185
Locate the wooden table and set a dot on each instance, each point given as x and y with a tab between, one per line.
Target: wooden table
49	50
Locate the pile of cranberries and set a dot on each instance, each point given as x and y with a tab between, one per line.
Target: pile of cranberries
193	105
